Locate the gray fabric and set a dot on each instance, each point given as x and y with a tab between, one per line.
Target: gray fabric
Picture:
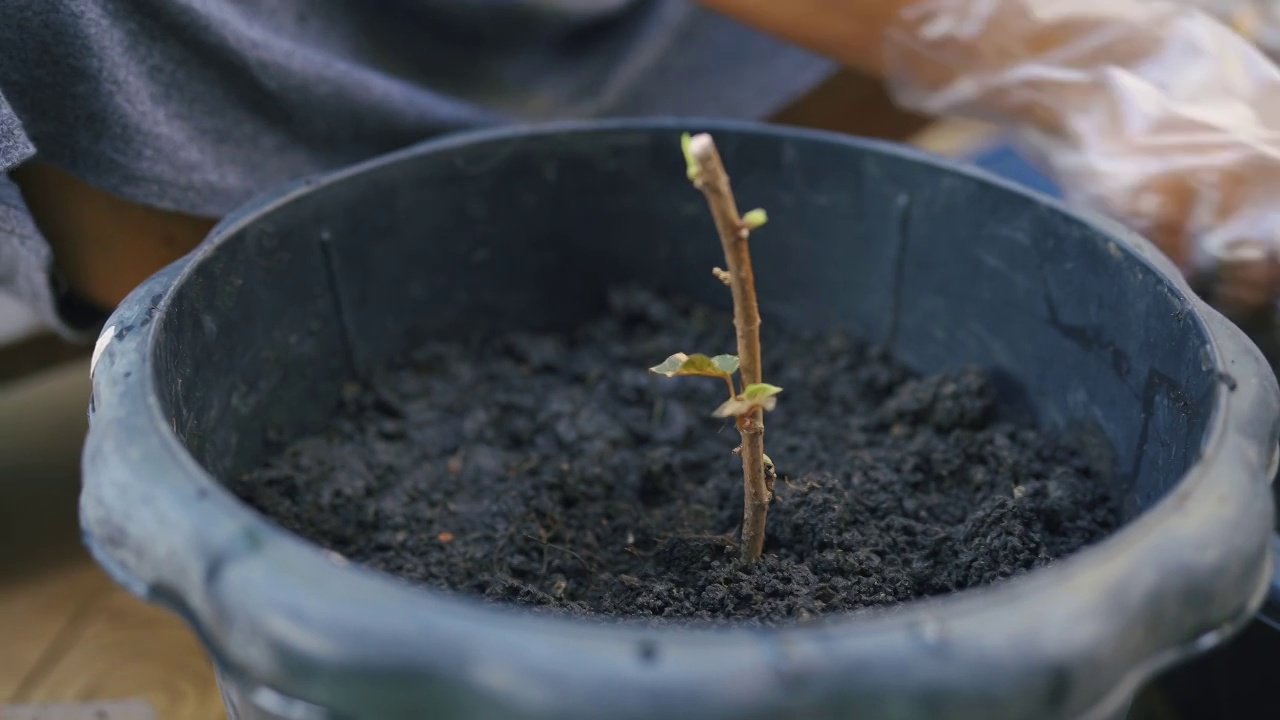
197	105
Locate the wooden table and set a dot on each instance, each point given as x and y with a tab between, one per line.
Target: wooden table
67	633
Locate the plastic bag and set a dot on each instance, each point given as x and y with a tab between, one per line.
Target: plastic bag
1257	20
1154	112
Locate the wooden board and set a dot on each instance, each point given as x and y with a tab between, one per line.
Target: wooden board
68	633
118	647
37	615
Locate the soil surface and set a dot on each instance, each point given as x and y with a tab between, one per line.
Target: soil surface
556	472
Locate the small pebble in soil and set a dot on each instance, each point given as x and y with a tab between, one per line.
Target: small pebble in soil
556	472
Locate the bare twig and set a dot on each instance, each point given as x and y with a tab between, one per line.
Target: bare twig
710	177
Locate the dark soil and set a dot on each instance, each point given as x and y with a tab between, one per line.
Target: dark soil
556	472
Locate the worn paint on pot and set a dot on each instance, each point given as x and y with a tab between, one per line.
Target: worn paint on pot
1091	331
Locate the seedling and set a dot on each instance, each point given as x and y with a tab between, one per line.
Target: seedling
747	403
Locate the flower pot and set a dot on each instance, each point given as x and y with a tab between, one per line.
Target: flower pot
1235	678
250	340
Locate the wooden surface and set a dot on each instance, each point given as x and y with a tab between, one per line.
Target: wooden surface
67	633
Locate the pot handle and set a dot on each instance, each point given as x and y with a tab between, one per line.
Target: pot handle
1255	418
115	508
1270	611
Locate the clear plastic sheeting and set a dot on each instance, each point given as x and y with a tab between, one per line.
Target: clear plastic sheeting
1155	112
1257	20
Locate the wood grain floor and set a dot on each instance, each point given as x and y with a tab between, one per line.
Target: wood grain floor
67	632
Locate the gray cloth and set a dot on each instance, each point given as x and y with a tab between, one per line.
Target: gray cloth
197	105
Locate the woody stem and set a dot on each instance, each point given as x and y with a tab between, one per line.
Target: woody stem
713	181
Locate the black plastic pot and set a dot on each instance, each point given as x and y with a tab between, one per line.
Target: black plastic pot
1236	679
252	337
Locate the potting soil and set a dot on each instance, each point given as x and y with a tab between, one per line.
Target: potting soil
555	471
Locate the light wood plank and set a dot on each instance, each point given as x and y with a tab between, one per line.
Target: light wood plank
124	648
35	612
45	577
67	632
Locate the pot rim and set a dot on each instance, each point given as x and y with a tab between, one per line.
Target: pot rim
221	564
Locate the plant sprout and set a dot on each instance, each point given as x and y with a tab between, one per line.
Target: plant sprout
748	404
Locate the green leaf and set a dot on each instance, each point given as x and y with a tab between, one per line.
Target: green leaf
761	395
691	163
727	364
759	391
721	366
755	218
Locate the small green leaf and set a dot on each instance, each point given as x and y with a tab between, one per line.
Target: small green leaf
732	408
670	366
722	366
727	364
761	395
691	163
755	218
759	391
